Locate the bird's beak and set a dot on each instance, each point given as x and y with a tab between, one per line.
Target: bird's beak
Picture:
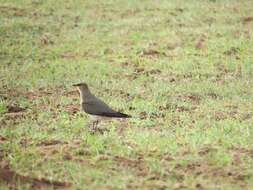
75	85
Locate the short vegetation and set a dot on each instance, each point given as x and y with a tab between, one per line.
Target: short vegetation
182	69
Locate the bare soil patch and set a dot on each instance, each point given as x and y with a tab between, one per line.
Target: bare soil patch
14	108
13	11
51	142
138	164
246	20
7	175
72	109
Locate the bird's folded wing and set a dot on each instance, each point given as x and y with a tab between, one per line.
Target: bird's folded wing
101	109
116	114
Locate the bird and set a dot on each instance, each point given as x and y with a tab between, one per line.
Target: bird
95	107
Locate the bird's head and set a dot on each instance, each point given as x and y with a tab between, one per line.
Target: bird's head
81	86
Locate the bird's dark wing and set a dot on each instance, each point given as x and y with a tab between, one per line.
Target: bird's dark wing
98	107
116	114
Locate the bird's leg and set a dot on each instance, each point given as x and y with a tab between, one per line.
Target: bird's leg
93	127
96	124
93	124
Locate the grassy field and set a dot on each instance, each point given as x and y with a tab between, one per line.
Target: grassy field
183	69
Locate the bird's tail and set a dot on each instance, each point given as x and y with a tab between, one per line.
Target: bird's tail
123	115
117	114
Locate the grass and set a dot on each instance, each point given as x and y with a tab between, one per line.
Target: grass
183	69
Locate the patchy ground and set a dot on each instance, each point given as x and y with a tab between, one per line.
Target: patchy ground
183	69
